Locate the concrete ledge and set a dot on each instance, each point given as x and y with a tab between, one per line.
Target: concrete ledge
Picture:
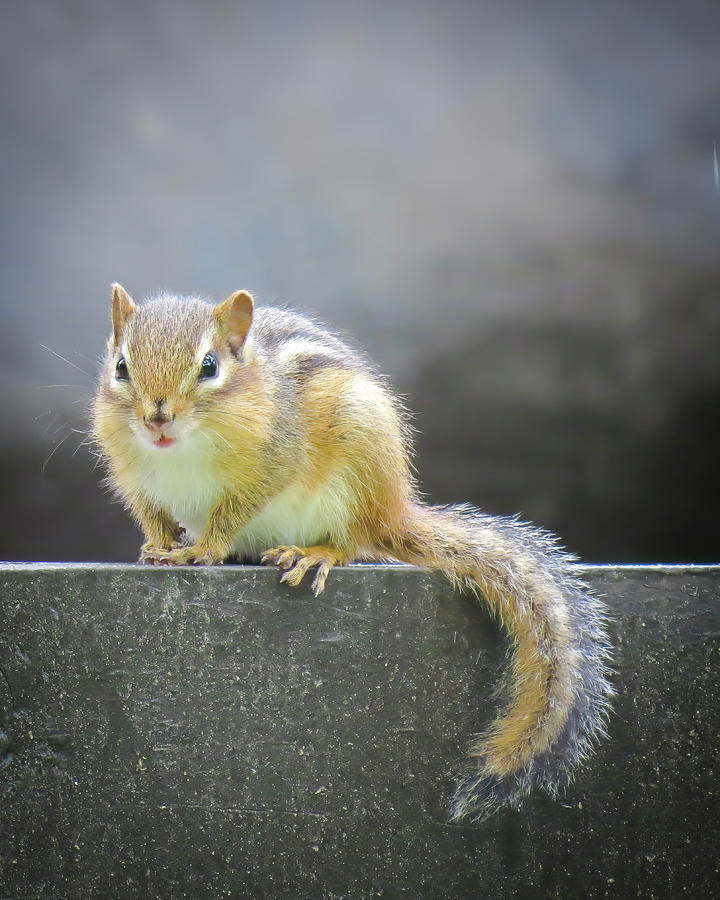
207	732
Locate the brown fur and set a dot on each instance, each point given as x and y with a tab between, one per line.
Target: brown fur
298	415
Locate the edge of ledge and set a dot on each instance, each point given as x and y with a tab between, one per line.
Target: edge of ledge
634	568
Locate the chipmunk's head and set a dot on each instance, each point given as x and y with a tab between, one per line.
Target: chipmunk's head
168	362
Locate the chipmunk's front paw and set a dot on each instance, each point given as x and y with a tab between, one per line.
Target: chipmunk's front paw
181	556
150	553
297	560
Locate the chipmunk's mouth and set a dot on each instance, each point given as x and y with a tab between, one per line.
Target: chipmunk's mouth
156	438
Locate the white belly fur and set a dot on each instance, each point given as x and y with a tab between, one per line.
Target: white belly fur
180	481
301	517
188	488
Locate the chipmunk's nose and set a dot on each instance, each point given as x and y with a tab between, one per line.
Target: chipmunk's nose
159	418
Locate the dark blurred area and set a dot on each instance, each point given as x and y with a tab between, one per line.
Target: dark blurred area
511	206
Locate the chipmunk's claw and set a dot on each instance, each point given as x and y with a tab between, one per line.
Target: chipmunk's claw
295	561
180	556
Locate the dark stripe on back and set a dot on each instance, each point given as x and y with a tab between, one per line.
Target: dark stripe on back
274	327
305	365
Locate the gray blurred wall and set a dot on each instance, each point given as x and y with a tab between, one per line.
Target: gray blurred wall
511	206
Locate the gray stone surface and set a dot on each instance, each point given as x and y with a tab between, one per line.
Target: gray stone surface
207	733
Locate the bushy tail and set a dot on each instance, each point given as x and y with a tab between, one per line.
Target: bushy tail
560	692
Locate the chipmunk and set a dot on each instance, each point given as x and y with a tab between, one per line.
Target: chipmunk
235	431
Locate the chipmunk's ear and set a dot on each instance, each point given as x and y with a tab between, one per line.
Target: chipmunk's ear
122	308
235	317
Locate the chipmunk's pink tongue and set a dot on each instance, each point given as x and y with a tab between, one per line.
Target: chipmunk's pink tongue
164	441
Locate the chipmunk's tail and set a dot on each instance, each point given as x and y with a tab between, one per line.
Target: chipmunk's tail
560	691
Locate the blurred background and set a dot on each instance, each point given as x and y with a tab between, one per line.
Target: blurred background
511	206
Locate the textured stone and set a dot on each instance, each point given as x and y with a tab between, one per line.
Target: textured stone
208	732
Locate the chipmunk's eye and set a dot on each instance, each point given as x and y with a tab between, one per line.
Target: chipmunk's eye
121	370
209	368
